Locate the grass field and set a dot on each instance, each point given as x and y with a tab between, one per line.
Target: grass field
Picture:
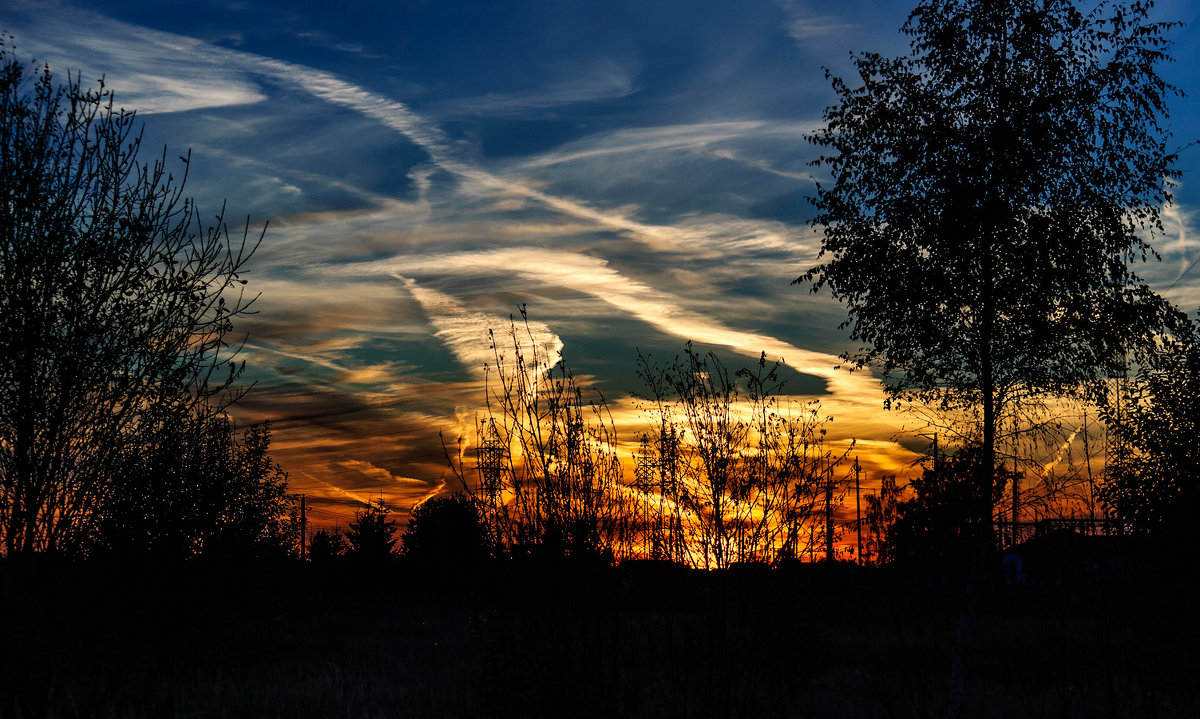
291	643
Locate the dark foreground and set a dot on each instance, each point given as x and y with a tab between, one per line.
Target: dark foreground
290	642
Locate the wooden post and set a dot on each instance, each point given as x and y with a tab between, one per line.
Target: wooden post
829	516
1016	506
857	514
1087	451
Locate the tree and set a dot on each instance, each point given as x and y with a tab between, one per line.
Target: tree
747	480
326	546
371	536
548	474
1007	174
880	518
195	488
116	305
1152	479
935	527
446	531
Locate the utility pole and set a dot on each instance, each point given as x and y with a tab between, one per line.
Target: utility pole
1087	451
303	527
1016	506
857	514
829	516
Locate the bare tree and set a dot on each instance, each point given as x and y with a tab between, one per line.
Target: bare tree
549	477
725	474
116	303
741	478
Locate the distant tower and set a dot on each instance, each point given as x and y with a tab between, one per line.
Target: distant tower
492	459
645	481
857	514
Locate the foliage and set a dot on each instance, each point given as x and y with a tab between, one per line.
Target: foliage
326	546
194	487
371	537
1007	174
446	531
880	517
116	304
937	526
1152	477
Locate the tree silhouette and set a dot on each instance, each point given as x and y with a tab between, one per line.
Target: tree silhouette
116	304
198	488
935	527
743	478
990	193
446	531
1152	476
880	518
371	536
326	546
548	473
1006	174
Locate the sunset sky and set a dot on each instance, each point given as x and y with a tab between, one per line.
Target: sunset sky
634	172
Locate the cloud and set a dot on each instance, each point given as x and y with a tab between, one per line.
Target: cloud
450	157
1178	225
1175	277
184	76
470	335
763	165
377	473
693	137
602	80
808	28
594	277
210	76
346	445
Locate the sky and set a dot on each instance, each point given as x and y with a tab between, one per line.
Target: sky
634	173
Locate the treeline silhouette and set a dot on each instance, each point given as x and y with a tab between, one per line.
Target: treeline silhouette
729	474
119	364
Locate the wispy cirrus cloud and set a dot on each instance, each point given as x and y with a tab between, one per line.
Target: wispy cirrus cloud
656	308
604	79
450	157
180	76
158	49
691	137
808	27
470	335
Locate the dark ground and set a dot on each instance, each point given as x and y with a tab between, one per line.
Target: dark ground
282	642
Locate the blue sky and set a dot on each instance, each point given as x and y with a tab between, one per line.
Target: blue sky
634	172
